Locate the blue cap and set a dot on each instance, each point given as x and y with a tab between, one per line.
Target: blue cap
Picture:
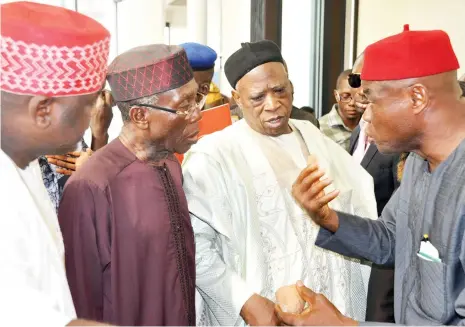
201	57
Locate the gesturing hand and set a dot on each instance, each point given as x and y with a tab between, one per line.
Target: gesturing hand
320	311
102	114
66	164
308	191
259	311
70	162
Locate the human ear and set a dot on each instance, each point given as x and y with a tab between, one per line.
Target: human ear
40	109
237	98
419	97
139	116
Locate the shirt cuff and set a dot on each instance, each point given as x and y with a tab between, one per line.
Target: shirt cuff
241	292
326	237
343	240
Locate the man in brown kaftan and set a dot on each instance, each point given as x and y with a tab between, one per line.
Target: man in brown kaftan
124	217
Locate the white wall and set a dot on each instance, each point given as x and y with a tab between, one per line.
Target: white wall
60	3
176	16
235	29
197	20
381	18
222	29
300	49
214	30
140	22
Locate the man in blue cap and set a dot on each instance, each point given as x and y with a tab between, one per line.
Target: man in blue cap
202	60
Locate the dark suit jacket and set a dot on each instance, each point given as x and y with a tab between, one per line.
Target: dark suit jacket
383	169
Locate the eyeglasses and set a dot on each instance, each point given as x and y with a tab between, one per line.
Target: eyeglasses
198	104
344	97
355	81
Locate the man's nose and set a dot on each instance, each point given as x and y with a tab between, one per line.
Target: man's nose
271	103
367	114
196	116
352	100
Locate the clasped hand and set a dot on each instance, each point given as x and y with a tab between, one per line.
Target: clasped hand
319	311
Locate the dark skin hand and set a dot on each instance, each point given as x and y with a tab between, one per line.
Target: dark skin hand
101	117
320	311
100	120
70	162
66	164
308	191
259	311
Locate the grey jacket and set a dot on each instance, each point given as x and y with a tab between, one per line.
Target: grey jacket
426	292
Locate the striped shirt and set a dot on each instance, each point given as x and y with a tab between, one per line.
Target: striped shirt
333	127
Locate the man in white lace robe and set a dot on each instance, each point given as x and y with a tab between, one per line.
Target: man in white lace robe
251	237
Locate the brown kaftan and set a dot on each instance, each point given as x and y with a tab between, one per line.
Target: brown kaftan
128	241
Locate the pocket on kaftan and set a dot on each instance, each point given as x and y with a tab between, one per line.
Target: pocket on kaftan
432	288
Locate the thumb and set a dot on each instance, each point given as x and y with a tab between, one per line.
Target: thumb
305	293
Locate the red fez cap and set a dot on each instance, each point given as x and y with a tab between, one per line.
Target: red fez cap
409	54
148	70
51	51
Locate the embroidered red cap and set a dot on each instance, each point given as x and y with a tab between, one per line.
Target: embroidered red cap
148	70
51	51
409	54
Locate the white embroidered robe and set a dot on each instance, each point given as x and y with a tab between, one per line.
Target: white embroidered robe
251	236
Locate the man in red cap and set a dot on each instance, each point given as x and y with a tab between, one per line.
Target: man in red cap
124	216
53	65
415	105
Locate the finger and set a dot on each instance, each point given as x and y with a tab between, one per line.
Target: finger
64	171
311	180
70	159
58	157
317	189
324	200
75	153
305	293
52	161
65	164
287	318
307	171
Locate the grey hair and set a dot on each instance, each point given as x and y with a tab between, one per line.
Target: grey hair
125	106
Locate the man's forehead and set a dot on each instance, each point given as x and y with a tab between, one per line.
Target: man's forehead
182	92
344	85
271	72
368	87
381	88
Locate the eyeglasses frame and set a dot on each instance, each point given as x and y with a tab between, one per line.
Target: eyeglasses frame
186	113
